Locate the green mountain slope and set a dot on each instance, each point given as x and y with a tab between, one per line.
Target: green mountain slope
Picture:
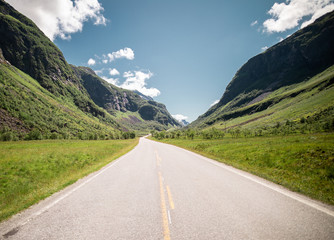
28	49
127	106
285	73
28	111
24	46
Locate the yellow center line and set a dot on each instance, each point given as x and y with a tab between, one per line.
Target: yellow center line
164	210
171	203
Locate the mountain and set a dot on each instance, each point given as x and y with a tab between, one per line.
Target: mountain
31	62
130	108
184	122
285	72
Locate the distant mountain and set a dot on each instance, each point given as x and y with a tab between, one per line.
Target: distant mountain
25	49
295	60
184	123
136	110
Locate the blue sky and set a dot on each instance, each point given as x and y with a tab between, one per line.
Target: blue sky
181	52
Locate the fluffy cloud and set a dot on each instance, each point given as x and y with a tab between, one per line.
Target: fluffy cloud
113	72
91	62
137	81
122	53
214	103
289	14
180	117
134	80
113	81
60	17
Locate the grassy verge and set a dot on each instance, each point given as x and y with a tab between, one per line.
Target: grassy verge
33	170
302	163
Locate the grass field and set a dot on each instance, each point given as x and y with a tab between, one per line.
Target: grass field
33	170
302	163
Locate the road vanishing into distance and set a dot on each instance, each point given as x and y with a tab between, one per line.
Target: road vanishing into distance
158	191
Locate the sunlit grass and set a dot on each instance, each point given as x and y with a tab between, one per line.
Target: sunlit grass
33	170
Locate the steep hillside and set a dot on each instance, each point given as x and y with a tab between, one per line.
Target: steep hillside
27	48
293	61
23	46
132	109
28	111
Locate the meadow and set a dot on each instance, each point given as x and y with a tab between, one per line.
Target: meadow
303	163
33	170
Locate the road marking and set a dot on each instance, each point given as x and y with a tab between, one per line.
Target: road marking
164	210
269	185
65	195
169	218
158	158
170	199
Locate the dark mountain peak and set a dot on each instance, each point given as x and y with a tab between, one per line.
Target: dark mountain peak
27	48
296	59
300	56
115	99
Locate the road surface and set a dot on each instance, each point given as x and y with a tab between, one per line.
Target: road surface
158	191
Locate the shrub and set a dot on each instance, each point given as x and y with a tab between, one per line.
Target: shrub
35	134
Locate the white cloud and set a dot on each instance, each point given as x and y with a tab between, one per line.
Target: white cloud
126	53
137	81
128	74
91	62
61	17
180	117
254	23
264	48
122	53
113	81
318	13
113	72
214	103
289	14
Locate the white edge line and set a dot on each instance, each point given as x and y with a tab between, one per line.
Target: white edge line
59	199
281	191
270	186
67	194
169	218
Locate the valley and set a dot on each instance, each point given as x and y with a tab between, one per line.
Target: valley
71	139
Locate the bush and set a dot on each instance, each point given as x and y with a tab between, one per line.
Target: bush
7	136
35	134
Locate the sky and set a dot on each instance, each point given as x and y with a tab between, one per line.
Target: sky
183	53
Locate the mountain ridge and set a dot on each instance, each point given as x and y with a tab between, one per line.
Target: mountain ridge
296	59
24	46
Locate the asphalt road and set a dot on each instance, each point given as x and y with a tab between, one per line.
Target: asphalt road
158	191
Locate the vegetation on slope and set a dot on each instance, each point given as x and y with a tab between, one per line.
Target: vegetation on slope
27	48
31	171
299	57
24	46
140	114
28	111
311	101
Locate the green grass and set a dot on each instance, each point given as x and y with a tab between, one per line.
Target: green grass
33	170
288	103
302	163
25	100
